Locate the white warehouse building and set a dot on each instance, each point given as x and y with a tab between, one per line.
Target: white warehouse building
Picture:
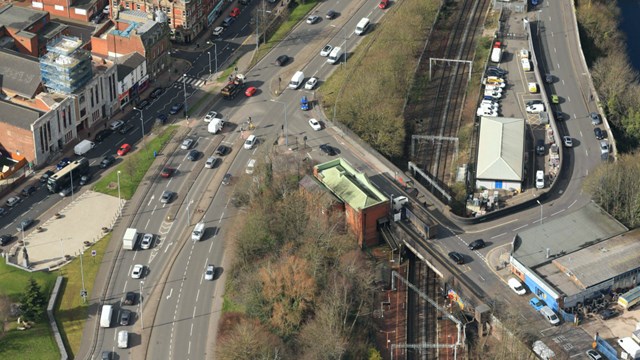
501	154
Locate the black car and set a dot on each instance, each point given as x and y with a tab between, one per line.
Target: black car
222	150
46	175
125	128
125	317
540	147
107	161
176	108
161	119
476	244
84	179
157	92
129	298
5	239
331	14
226	180
456	257
106	355
534	102
548	78
29	190
24	224
595	118
282	60
495	73
228	21
328	149
103	134
498	70
598	133
143	104
193	155
97	18
608	314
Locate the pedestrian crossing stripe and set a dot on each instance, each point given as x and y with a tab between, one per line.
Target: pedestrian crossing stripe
191	81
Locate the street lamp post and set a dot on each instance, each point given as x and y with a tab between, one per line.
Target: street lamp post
118	175
140	302
209	53
286	128
141	126
539	203
215	55
189	213
184	84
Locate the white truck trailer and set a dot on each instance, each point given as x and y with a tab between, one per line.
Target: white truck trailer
129	239
83	146
215	125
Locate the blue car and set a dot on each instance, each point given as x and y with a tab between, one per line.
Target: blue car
534	2
64	162
536	303
304	104
176	108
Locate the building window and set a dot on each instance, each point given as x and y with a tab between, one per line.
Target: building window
81	100
126	5
138	6
83	112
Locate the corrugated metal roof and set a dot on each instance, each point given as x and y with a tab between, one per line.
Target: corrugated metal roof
501	149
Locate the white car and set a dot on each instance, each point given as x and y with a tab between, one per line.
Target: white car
186	144
115	125
218	31
486	112
493	94
209	272
516	286
493	88
326	50
495	84
567	141
147	239
535	108
311	83
539	179
210	116
313	19
137	271
315	125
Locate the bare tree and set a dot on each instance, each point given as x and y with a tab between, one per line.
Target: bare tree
250	340
5	310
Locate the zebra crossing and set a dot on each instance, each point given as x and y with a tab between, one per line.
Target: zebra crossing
192	81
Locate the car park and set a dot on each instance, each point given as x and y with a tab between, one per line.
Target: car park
304	104
331	14
599	134
539	179
328	149
218	31
64	162
156	92
186	144
13	201
313	19
46	175
540	147
210	116
567	141
125	128
222	150
595	118
124	149
129	298
326	50
84	179
226	179
5	239
315	124
24	224
516	286
193	155
167	172
137	271
115	125
311	83
107	161
456	257
176	108
235	12
102	134
125	317
228	21
147	241
209	272
282	60
536	303
251	90
166	197
476	244
212	161
28	190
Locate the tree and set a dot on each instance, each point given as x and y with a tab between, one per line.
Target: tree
32	301
5	310
250	340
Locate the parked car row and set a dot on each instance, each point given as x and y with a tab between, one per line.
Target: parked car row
494	85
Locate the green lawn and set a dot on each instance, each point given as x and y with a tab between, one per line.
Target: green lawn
71	312
134	167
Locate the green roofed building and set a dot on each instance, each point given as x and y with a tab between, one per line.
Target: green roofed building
364	204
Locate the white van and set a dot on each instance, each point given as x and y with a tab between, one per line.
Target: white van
251	166
198	232
105	317
296	80
334	55
251	140
123	339
550	315
526	64
362	26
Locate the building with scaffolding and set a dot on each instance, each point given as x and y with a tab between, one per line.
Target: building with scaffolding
66	67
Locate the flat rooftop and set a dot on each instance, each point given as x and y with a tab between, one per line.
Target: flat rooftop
595	264
16	17
564	235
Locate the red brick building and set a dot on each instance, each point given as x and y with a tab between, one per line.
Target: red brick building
28	30
82	10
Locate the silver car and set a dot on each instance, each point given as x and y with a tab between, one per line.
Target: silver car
166	197
186	144
146	242
209	272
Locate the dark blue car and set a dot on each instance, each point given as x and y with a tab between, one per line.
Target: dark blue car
64	162
176	108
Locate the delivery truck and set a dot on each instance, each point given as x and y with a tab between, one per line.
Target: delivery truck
215	125
496	52
129	239
105	316
83	147
630	347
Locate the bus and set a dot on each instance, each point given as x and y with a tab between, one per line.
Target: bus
72	172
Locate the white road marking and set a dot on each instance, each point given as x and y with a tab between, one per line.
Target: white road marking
147	225
193	316
557	212
520	227
150	200
493	237
569	98
170	293
574	201
191	331
167	248
492	227
197	295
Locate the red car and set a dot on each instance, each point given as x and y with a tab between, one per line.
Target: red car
383	4
125	148
167	172
250	91
235	12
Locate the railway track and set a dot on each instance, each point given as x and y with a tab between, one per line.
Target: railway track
438	117
422	316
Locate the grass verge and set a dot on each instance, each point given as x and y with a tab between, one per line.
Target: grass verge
229	305
71	312
134	167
